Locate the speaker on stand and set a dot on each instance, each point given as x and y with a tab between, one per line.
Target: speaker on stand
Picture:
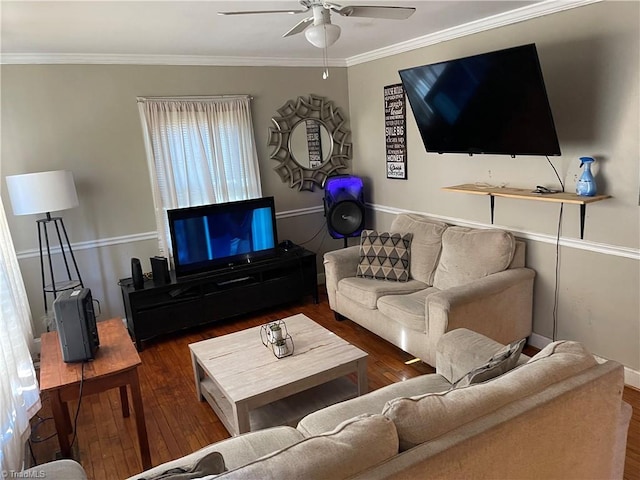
344	206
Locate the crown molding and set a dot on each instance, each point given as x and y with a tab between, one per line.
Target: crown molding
547	7
519	15
139	59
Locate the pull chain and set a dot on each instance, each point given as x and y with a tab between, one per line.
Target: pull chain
325	73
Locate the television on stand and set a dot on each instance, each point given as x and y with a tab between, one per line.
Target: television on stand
210	238
491	103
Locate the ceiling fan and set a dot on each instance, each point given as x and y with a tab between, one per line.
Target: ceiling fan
318	28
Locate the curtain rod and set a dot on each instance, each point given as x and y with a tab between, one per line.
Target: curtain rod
193	97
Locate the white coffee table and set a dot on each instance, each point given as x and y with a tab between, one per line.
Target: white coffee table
236	373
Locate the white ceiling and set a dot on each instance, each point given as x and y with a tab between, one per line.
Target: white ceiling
192	32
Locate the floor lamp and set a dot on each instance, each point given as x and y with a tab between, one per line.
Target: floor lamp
46	192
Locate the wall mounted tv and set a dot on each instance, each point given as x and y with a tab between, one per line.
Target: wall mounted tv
493	103
211	237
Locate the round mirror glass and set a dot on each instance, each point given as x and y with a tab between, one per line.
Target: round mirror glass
310	143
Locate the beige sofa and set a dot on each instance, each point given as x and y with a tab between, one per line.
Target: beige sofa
559	414
458	278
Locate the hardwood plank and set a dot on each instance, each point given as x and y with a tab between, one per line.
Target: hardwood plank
178	424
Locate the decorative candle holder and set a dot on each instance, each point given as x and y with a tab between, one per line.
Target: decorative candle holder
274	335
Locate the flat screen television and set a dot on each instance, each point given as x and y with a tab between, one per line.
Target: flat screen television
491	103
211	237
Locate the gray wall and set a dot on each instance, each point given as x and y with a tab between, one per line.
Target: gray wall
589	58
84	118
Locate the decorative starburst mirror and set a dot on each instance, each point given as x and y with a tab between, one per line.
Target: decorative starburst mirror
309	139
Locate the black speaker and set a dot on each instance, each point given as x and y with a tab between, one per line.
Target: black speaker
160	270
344	205
136	274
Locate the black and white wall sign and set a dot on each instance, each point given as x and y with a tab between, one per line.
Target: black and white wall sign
395	120
314	143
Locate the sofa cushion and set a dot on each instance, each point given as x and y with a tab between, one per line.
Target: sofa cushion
408	309
353	446
328	418
469	254
425	243
384	255
367	291
423	418
500	363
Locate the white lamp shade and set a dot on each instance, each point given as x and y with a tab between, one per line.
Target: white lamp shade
42	192
322	36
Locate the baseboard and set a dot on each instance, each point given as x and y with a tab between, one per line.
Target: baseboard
538	341
631	377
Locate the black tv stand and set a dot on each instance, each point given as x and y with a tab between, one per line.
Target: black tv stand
190	301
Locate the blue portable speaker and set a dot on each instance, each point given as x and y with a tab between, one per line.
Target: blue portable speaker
344	205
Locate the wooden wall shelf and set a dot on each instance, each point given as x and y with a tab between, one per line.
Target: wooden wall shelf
526	194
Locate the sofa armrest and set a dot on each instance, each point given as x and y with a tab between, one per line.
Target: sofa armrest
339	264
499	306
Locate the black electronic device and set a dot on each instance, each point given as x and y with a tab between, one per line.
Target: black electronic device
492	103
136	274
76	325
217	236
160	270
287	245
344	205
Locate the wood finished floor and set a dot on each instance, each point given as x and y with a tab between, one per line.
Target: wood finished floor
177	424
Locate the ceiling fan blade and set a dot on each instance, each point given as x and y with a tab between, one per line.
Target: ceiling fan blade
392	13
251	12
299	27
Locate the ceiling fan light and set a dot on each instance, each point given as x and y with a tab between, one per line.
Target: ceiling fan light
322	36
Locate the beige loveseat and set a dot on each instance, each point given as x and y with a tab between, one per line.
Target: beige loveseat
559	415
458	278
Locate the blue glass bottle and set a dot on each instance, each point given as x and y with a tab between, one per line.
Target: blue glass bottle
586	185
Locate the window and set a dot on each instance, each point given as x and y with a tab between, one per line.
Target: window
200	150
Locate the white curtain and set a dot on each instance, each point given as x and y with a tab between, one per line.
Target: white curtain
19	392
200	150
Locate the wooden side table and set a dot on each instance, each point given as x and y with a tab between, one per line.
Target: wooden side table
116	365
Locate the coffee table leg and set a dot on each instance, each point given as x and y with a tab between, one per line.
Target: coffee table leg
363	385
198	373
241	417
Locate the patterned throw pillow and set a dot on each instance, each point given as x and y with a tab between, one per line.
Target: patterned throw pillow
384	255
